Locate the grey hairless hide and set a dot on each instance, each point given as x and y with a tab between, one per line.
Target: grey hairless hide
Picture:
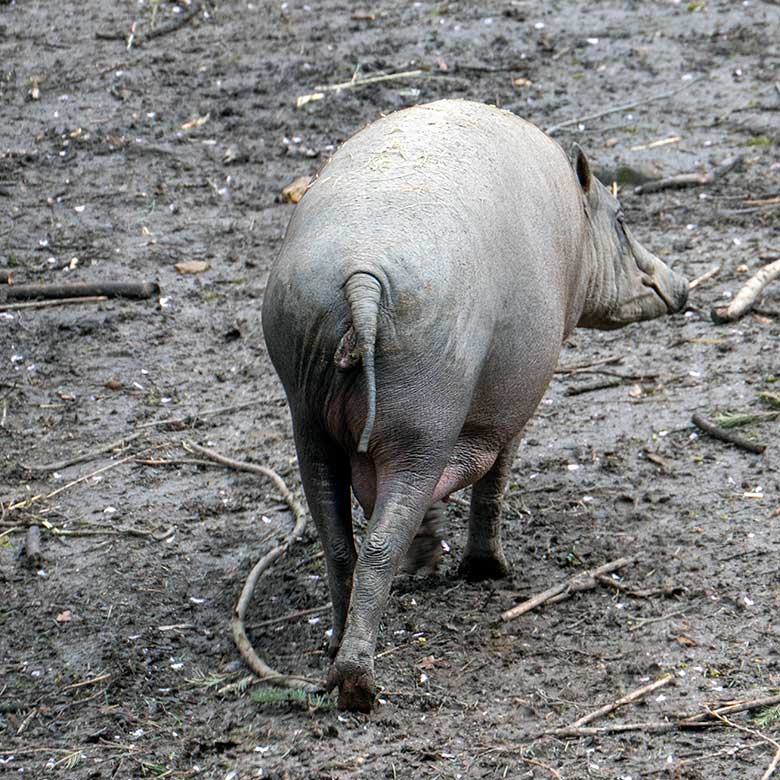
415	315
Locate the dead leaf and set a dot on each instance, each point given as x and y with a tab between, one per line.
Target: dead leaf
686	641
428	662
192	267
292	193
113	384
64	617
197	122
635	391
610	142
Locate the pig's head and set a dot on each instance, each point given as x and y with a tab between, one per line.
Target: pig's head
626	282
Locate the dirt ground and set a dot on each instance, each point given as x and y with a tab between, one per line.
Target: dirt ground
118	163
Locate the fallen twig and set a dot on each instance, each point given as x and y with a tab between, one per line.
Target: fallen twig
598	384
747	296
569	586
255	663
707	719
633	696
136	290
705	277
642	622
739	706
6	276
87	456
191	418
640	594
754	732
292	616
355	83
616	109
689	179
583	366
157	32
709	427
54	302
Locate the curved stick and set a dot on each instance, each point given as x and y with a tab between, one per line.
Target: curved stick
237	624
746	297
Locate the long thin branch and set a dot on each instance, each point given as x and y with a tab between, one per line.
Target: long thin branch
81	290
87	456
569	585
709	427
53	302
683	180
624	107
634	695
238	625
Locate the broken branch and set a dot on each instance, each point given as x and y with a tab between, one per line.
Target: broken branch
87	456
747	296
565	587
705	277
616	109
598	384
709	427
689	179
633	696
251	658
108	289
53	302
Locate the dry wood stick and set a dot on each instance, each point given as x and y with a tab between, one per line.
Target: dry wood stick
633	696
137	290
651	727
53	302
747	296
689	179
6	276
705	277
741	706
157	32
355	83
87	456
754	732
251	658
709	427
291	616
205	413
582	366
571	583
616	109
598	384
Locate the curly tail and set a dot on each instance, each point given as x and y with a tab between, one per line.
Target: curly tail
364	292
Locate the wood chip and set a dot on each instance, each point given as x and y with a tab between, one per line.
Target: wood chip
192	267
293	192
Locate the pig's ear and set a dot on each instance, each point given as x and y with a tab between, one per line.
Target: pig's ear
582	167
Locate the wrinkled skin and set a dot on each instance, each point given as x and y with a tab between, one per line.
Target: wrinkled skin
484	247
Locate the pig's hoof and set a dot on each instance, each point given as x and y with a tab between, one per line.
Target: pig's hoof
356	691
475	567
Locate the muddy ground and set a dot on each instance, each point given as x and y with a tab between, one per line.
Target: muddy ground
120	162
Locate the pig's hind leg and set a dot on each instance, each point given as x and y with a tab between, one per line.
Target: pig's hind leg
484	557
325	475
